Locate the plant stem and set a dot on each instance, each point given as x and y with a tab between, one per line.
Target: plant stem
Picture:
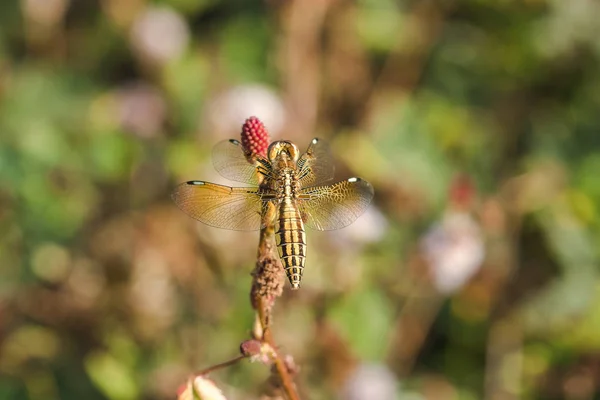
263	309
221	365
286	380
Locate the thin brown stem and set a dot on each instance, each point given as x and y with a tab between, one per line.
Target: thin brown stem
267	286
286	380
221	365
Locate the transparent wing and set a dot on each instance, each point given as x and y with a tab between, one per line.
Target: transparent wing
335	206
220	206
230	161
316	165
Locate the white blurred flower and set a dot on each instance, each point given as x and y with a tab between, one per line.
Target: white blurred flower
159	35
227	111
568	24
454	250
370	382
200	388
141	109
368	228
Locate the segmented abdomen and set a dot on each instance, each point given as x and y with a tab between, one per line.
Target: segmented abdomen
291	242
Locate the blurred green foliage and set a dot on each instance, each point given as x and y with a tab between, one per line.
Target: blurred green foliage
107	291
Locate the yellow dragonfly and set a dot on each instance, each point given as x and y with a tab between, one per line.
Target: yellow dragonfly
290	192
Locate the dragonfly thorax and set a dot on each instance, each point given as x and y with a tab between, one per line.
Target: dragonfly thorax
286	184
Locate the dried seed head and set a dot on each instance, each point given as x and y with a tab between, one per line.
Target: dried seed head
267	282
255	138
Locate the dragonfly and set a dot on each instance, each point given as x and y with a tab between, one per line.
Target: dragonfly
290	191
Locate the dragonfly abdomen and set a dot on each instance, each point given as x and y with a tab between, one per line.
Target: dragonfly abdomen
291	242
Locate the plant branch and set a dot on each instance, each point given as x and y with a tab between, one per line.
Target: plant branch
221	365
282	370
267	286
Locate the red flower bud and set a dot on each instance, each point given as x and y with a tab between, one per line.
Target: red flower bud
255	138
250	348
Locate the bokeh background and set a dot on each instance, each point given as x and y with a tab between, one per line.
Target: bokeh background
474	274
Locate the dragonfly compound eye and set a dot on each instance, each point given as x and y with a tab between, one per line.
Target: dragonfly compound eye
283	146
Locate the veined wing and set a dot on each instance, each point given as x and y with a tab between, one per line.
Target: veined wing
220	206
335	206
230	161
316	165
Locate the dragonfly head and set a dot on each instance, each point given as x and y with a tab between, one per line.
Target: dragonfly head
283	147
